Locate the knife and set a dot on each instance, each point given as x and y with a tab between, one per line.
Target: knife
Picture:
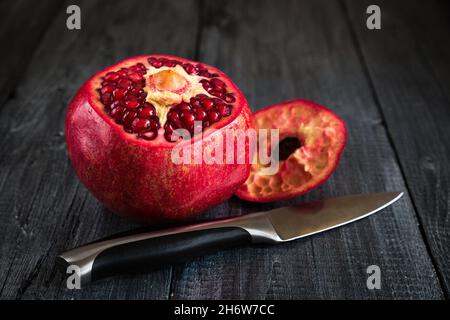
145	251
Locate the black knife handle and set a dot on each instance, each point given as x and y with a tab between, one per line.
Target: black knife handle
153	253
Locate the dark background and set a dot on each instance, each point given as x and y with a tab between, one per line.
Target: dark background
391	86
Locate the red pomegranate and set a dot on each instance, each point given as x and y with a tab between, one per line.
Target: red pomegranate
120	131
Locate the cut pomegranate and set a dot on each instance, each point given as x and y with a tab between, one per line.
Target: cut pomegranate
120	131
166	84
311	140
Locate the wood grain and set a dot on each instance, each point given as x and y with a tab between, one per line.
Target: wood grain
44	209
408	64
21	29
392	96
283	50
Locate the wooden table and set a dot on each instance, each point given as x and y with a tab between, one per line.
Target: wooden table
391	86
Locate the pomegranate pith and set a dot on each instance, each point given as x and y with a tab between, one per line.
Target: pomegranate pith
120	131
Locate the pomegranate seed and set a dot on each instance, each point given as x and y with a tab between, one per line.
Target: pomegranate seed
155	62
172	136
214	75
216	93
168	136
135	92
139	125
176	124
128	118
119	93
219	89
139	68
217	100
171	63
213	116
173	115
149	135
184	107
229	98
202	96
117	114
147	112
134	69
124	83
204	74
122	73
187	118
206	86
174	119
154	123
190	69
132	104
135	77
217	84
168	127
199	114
148	105
116	104
200	67
106	98
112	76
195	102
224	110
108	83
168	133
139	85
107	89
129	97
208	104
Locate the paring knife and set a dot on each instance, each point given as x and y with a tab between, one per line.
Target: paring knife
149	250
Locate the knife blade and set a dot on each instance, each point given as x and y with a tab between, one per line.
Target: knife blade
150	250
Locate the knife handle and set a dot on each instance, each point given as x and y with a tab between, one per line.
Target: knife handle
151	253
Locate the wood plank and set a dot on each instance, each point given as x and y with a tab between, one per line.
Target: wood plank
44	209
277	50
21	29
407	61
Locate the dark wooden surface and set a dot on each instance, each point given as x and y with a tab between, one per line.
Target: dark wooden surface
391	86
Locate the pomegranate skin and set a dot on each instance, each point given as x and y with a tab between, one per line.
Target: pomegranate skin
137	179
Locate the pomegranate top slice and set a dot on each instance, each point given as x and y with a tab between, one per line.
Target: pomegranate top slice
149	97
311	140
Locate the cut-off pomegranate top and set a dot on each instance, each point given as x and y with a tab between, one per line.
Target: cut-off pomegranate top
311	140
153	96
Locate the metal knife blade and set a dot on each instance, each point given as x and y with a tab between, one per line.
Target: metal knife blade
143	251
292	223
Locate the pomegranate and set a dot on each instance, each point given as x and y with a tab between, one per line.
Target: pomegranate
311	140
120	131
